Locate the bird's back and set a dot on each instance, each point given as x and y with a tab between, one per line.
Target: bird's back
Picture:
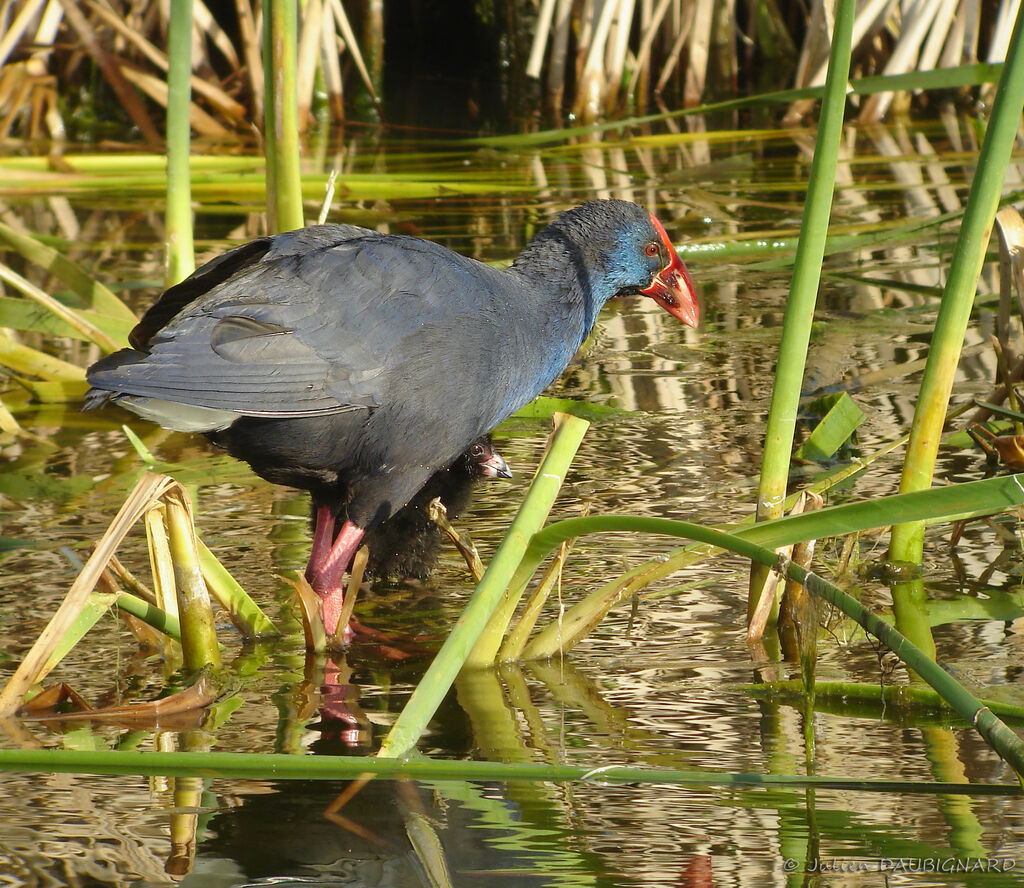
335	355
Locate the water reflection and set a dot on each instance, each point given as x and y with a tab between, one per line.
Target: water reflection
386	833
658	683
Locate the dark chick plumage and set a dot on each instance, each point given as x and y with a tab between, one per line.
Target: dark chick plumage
355	365
409	542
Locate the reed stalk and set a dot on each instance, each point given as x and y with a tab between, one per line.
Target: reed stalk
978	715
540	38
308	57
284	182
565	440
592	79
803	291
907	541
945	503
559	55
180	259
910	610
198	634
277	766
253	67
462	640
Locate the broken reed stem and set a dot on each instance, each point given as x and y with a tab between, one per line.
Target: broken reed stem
246	615
161	564
797	627
35	665
198	634
517	639
807	500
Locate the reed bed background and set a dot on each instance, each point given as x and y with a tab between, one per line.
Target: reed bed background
67	66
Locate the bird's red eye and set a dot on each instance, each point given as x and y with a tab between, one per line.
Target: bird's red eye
651	250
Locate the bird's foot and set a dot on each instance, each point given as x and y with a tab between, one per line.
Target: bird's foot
328	562
332	607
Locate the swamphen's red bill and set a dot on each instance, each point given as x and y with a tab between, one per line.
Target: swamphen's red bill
672	288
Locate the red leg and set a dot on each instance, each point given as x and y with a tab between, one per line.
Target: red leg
323	537
325	575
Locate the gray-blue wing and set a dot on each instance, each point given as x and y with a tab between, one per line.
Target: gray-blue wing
312	326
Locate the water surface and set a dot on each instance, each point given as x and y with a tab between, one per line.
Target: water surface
659	683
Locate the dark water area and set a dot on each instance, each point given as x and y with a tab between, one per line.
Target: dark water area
660	682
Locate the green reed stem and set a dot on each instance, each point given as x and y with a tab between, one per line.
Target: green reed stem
476	616
280	108
954	502
180	261
276	766
803	293
907	542
856	699
245	613
195	613
994	731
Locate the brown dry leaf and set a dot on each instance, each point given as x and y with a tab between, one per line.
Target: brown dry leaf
183	708
46	702
312	622
1007	449
1011	450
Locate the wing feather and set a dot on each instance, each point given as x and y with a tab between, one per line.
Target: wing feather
314	322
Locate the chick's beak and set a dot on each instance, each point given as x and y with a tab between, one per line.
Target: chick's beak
672	288
494	467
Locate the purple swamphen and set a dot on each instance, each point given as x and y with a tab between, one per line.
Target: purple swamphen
355	365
